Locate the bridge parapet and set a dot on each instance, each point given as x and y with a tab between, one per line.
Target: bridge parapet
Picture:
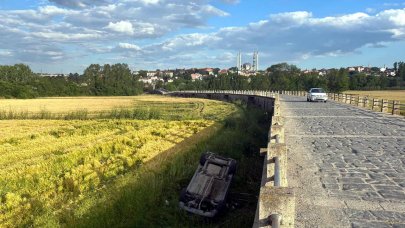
276	206
393	107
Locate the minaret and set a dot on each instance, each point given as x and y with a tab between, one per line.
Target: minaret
239	61
255	61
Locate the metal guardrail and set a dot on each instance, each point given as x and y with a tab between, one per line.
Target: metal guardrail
277	178
275	220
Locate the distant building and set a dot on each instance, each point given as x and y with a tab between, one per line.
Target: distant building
254	67
208	71
247	66
196	76
151	73
223	71
168	73
51	75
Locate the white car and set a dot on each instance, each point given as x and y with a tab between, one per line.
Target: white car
208	189
317	94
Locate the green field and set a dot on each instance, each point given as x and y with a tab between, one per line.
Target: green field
122	169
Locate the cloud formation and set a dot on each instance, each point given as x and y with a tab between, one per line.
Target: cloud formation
296	36
87	24
121	27
79	3
143	32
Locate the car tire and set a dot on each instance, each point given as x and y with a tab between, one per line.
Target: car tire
203	158
221	206
232	167
183	195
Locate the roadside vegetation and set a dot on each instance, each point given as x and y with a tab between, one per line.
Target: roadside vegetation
149	197
125	170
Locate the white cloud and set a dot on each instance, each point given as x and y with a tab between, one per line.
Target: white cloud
5	53
122	27
79	3
53	10
129	46
111	29
395	16
291	36
150	1
65	37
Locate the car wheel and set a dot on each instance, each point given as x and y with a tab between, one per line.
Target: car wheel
183	195
232	167
203	158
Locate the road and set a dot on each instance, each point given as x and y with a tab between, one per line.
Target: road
347	164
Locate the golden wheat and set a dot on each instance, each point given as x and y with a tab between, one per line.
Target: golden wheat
50	164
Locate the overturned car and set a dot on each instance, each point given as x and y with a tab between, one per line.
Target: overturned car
207	191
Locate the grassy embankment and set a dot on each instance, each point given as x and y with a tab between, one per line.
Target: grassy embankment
125	172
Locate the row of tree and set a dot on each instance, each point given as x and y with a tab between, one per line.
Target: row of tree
284	76
18	81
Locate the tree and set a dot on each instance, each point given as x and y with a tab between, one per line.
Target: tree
338	80
358	81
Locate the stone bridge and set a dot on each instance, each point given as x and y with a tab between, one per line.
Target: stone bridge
346	165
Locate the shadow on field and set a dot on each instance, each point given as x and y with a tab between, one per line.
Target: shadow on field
148	197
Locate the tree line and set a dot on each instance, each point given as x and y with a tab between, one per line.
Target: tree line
18	81
284	76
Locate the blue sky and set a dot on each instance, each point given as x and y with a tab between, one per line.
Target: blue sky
62	36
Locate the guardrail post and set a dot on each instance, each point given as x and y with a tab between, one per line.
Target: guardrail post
396	108
276	201
277	120
279	151
384	106
360	101
366	102
375	104
276	130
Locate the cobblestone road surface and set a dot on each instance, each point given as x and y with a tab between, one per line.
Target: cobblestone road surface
347	164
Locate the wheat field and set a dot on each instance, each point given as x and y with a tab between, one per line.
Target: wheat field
48	167
398	95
